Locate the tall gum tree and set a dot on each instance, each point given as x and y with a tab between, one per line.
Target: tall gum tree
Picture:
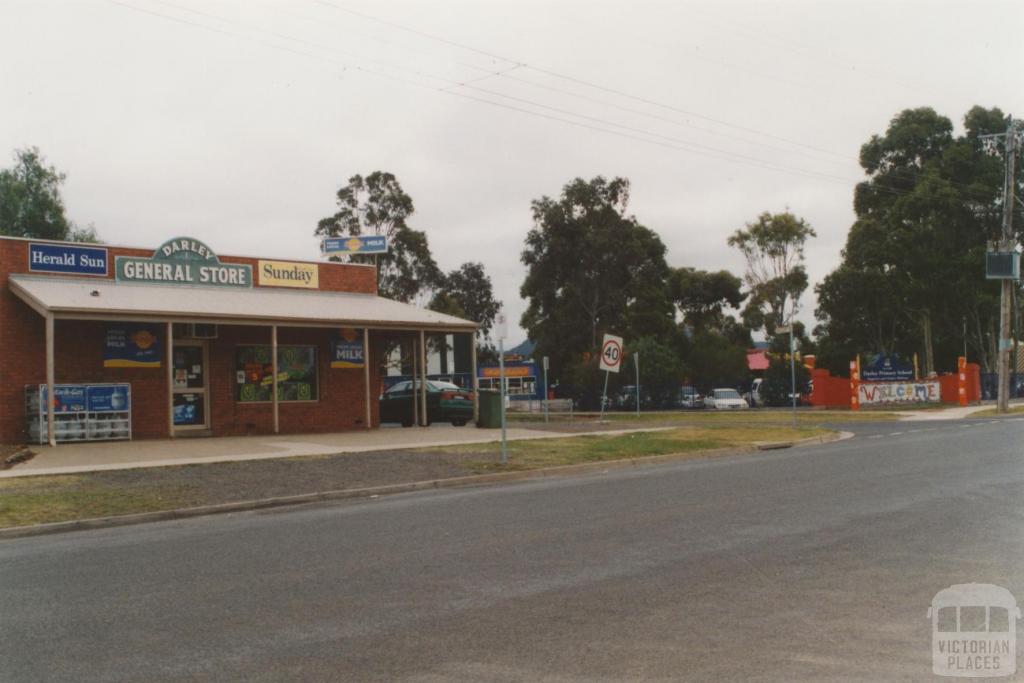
773	247
591	269
377	205
912	272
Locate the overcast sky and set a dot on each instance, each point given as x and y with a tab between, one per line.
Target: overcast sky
236	122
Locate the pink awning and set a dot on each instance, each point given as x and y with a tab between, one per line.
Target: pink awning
757	359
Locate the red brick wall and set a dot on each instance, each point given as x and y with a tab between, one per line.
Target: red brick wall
79	358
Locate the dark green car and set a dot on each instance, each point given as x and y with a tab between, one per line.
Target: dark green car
446	402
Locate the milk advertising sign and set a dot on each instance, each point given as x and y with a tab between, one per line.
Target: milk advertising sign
183	261
357	244
347	349
132	346
899	392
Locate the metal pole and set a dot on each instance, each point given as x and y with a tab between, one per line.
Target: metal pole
636	361
366	376
965	336
273	365
50	375
604	395
472	380
423	379
792	369
501	379
546	390
412	387
1003	403
170	379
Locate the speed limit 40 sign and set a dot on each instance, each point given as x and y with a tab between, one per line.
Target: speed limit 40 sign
611	353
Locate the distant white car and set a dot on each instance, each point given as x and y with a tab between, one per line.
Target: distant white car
725	399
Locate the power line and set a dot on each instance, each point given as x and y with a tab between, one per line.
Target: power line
631	133
573	79
525	65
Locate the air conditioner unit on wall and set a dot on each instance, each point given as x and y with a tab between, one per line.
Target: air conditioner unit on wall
195	331
204	330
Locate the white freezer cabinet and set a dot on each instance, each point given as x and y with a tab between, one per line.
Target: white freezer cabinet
81	412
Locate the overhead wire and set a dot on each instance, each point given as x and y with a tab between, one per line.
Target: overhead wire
555	74
631	132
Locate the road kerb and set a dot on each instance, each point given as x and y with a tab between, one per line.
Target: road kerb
390	489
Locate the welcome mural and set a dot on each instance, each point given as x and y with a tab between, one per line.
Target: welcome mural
899	392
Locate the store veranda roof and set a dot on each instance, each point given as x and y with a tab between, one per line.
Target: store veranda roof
82	299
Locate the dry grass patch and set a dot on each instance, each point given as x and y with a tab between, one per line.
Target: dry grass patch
38	500
536	453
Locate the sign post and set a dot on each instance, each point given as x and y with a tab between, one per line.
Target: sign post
546	390
501	331
636	362
611	361
783	329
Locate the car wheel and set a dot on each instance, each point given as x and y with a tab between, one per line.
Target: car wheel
407	423
458	423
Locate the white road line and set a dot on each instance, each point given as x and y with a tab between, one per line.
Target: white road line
895	433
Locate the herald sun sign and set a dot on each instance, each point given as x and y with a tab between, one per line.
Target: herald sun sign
611	353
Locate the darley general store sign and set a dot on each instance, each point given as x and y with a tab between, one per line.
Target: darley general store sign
183	260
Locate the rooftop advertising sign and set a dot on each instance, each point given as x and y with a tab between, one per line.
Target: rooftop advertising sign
185	261
289	274
361	244
67	259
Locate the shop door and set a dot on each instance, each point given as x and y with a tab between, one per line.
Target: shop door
190	391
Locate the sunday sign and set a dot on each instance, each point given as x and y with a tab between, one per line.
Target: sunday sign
186	261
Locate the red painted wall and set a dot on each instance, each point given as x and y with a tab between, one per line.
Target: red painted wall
834	392
829	391
79	347
950	385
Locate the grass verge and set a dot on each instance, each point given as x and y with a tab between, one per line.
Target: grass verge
57	498
37	500
738	417
538	453
991	412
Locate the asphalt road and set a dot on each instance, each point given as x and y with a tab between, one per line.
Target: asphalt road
809	564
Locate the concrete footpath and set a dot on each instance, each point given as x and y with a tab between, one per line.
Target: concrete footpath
952	413
117	455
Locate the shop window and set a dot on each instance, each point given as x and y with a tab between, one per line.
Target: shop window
297	374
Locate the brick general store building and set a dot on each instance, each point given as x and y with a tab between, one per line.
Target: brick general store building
180	341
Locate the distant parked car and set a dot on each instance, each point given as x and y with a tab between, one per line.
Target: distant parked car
626	400
690	398
754	397
446	402
725	399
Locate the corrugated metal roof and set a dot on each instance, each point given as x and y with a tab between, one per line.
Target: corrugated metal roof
106	299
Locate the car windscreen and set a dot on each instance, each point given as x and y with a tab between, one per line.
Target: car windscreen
726	393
